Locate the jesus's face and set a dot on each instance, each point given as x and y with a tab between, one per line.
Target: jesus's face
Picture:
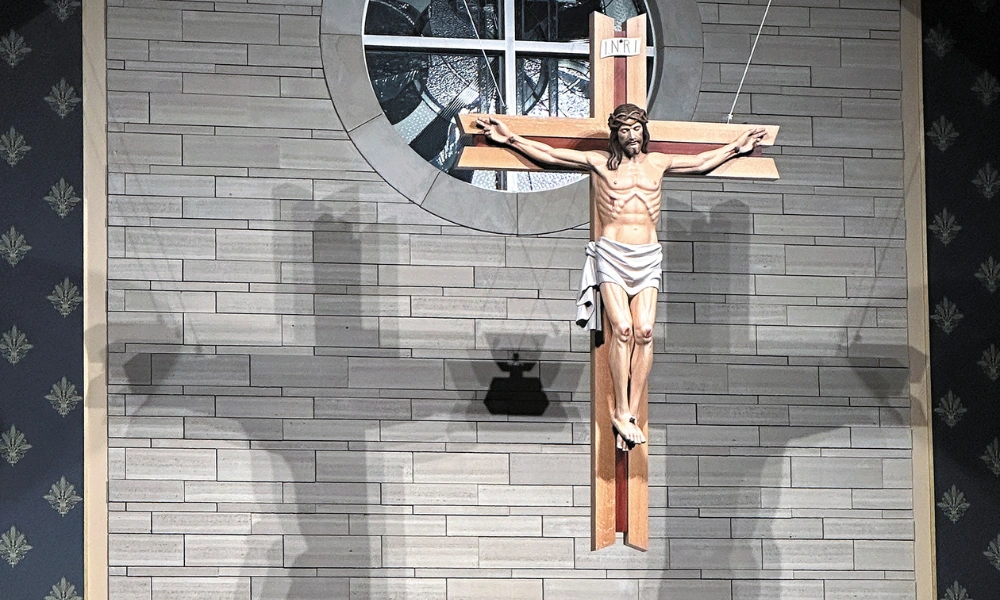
630	138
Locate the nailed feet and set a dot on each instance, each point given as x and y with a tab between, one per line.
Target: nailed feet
628	431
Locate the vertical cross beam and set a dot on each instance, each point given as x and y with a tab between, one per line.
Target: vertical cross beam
619	488
619	497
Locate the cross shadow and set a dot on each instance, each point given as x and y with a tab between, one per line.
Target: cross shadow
750	507
318	462
238	445
272	466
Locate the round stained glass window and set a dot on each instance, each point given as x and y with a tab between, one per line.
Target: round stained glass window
429	60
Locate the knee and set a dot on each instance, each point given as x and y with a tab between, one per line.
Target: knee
622	331
644	334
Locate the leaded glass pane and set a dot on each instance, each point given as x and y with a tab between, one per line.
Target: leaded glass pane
568	20
421	93
461	19
553	87
429	66
556	87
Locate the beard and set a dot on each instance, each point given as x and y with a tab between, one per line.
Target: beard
632	148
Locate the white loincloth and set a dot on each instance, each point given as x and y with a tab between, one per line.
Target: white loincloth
631	266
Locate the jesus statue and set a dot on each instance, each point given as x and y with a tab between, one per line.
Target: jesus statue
625	263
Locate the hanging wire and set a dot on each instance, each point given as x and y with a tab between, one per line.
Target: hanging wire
729	117
482	49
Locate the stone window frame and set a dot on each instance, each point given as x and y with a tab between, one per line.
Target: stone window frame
506	49
677	27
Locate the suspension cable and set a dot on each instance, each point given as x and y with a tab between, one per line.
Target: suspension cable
496	84
729	117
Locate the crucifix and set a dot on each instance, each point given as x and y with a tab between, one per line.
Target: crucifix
626	155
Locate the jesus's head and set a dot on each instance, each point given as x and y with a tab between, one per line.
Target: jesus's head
629	134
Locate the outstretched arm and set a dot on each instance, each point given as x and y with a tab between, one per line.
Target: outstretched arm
497	132
706	161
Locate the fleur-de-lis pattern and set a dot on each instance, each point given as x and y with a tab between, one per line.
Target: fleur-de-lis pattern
961	100
956	592
64	397
988	181
989	274
65	297
14	345
13	445
13	246
939	41
13	49
992	456
41	323
986	88
63	98
992	552
63	590
942	133
62	9
949	408
946	315
990	362
953	504
945	227
63	496
13	147
13	546
62	198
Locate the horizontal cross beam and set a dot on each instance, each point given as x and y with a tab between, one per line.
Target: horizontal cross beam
505	159
659	131
595	143
669	137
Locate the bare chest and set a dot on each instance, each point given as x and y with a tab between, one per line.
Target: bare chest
641	178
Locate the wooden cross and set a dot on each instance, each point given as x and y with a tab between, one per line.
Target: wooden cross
619	493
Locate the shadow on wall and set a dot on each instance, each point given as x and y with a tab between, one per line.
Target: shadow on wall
322	461
243	451
751	497
15	14
514	381
517	394
291	438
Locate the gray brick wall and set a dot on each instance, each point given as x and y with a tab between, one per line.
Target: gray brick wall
299	355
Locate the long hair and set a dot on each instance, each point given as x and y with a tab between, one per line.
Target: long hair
625	114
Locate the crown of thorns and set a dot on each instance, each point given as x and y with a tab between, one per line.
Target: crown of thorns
623	115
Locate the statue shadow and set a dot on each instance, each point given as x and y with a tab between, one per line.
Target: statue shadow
244	450
737	491
328	462
291	438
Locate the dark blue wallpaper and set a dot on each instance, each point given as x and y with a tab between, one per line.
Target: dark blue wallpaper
961	110
41	323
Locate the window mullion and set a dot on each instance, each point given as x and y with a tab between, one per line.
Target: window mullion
510	74
509	59
432	44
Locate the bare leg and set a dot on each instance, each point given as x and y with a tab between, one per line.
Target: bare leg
643	309
622	343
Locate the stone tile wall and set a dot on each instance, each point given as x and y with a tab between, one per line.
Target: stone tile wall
300	355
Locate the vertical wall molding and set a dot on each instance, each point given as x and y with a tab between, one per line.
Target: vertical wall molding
918	320
95	278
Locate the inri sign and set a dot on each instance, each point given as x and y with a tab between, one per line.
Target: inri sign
620	47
